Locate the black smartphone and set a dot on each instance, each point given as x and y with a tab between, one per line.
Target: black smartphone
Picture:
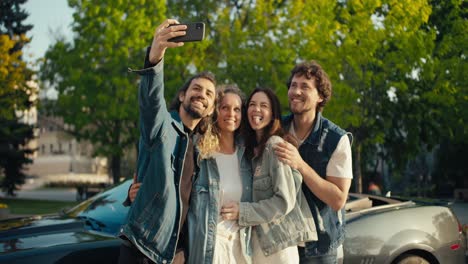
194	32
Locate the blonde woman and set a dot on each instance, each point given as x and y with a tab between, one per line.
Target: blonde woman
224	176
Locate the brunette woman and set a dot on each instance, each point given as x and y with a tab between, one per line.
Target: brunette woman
279	212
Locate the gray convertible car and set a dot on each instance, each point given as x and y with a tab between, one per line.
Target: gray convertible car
390	230
379	230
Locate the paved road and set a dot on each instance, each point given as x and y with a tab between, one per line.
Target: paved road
32	190
46	194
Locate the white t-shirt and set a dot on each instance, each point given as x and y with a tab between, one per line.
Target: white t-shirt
340	164
230	185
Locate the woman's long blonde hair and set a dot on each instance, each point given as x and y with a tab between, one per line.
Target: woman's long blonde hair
208	143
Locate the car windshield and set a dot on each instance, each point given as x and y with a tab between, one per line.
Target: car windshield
105	211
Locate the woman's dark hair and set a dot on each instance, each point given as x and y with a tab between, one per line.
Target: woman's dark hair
274	128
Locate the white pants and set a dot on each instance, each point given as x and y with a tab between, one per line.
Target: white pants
228	248
288	255
340	254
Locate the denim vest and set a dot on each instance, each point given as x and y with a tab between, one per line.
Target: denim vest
316	151
153	221
203	213
279	212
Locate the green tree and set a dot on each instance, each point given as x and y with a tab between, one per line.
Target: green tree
16	96
370	50
446	90
445	74
384	58
367	48
378	46
404	71
243	42
12	18
95	93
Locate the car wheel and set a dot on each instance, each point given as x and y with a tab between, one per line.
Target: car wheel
411	259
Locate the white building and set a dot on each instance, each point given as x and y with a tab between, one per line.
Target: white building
59	156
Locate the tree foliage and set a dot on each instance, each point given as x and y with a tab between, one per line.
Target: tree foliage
16	96
12	18
95	93
388	61
447	92
381	48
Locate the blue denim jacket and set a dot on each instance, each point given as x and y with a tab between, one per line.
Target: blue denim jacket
316	151
279	212
203	213
153	221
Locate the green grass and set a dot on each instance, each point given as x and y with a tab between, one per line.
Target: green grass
31	207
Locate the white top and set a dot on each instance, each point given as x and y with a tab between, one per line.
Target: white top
340	163
230	185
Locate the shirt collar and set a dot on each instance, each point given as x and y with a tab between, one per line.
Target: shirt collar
181	126
314	136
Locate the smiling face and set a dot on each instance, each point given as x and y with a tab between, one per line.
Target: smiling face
303	95
229	113
198	100
259	112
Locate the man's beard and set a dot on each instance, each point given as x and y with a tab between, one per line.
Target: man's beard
195	114
299	110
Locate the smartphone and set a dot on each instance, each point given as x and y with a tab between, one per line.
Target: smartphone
194	32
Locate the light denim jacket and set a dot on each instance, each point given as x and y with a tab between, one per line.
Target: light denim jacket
204	209
279	211
152	223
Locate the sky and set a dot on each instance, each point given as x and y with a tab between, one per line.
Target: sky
48	18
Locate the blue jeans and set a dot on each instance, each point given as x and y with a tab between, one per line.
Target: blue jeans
331	257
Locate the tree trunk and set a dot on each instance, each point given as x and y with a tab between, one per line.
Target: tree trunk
115	168
137	148
357	174
116	157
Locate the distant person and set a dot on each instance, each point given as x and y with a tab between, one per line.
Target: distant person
155	224
323	159
374	189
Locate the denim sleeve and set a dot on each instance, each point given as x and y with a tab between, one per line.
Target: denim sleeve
152	105
284	195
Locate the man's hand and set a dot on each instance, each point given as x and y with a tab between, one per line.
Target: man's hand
161	36
179	258
288	154
230	211
331	190
132	193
